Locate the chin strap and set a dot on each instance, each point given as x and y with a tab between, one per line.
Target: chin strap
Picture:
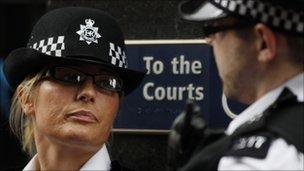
226	108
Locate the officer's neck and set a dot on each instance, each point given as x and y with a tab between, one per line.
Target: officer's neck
273	78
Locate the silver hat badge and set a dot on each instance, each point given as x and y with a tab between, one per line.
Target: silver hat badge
88	32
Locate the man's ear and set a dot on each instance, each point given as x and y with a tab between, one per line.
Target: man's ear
26	102
266	43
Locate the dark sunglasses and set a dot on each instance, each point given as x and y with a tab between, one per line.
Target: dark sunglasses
209	30
73	76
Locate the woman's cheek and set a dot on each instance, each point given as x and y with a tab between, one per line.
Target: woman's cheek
51	101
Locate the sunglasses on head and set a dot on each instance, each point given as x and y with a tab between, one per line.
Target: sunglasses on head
104	81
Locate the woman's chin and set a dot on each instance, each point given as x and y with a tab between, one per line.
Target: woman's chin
79	141
83	137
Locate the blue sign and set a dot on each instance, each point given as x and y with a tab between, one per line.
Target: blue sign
176	72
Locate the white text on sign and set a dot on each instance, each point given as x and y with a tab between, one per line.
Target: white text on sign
179	66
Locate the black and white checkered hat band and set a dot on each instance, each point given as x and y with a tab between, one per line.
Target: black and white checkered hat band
275	16
118	56
51	46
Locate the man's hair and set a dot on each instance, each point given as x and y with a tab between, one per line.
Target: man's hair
296	48
295	44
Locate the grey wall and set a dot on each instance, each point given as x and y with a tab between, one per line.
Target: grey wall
139	151
141	19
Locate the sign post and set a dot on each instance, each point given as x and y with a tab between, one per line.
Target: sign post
177	70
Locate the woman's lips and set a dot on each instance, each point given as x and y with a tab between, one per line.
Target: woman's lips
83	116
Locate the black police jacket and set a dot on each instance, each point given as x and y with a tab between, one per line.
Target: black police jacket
284	119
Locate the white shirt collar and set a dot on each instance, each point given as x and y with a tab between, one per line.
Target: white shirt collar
296	86
99	161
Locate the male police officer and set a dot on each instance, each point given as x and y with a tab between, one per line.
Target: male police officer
258	47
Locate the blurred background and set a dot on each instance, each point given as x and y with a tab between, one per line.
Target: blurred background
140	20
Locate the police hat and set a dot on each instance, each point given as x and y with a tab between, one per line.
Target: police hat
281	15
73	35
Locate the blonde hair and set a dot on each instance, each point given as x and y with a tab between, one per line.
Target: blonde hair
21	125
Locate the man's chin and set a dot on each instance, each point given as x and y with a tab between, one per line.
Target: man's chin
238	96
231	94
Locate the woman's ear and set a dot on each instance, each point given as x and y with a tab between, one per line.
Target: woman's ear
26	102
266	43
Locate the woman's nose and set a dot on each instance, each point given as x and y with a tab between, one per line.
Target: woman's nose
87	91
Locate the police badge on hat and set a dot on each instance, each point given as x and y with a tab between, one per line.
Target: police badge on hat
88	32
98	41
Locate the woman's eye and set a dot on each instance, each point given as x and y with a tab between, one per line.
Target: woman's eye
73	77
106	83
103	83
112	83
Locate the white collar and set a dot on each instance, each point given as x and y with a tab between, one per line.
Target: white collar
295	85
99	161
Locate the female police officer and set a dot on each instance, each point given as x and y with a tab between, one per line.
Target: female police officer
69	81
258	48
